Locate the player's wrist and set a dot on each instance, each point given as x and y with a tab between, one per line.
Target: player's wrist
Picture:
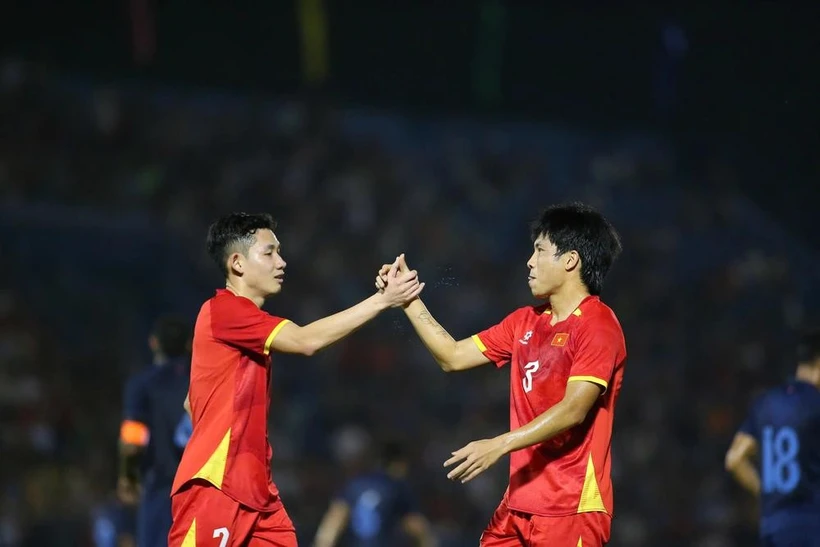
380	302
414	306
505	443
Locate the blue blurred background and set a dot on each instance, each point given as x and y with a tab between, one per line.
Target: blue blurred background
433	129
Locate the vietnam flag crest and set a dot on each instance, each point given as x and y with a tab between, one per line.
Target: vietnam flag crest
560	339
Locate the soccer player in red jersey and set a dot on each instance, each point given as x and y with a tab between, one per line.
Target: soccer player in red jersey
567	363
223	493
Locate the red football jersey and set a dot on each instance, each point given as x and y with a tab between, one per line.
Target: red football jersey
230	398
570	473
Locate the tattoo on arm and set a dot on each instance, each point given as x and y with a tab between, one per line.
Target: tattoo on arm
427	319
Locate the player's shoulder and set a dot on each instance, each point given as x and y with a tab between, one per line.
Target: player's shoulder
595	308
142	377
355	485
593	312
178	367
784	400
789	387
794	389
770	396
226	300
225	304
757	400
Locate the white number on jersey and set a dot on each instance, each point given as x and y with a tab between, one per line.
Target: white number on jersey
223	534
529	369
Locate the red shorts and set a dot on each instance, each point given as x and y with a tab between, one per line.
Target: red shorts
510	528
204	516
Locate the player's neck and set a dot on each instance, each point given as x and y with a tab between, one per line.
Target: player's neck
241	290
565	301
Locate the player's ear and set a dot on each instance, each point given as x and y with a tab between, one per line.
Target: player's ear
236	263
571	260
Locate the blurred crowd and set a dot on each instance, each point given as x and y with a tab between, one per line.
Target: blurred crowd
106	192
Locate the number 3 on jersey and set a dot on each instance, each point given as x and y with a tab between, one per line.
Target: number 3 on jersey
781	471
529	370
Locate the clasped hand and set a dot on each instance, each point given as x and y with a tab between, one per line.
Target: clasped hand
398	283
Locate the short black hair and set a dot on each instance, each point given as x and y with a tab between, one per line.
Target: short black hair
173	335
392	452
808	346
235	230
578	227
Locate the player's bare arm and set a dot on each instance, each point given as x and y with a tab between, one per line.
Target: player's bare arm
478	456
308	339
450	354
739	462
128	485
333	524
131	450
418	527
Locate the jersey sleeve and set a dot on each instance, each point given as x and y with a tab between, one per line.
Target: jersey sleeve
599	348
349	493
496	342
134	428
239	323
749	425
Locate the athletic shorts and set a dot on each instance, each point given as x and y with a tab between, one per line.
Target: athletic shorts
510	528
204	516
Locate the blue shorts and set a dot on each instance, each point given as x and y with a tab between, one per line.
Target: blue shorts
154	518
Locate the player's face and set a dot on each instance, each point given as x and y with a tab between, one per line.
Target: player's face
264	266
547	268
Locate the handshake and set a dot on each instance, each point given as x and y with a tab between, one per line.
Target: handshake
397	284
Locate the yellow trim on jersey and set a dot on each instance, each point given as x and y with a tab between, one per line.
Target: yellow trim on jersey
591	500
273	334
594	379
576	313
479	343
580	542
214	469
190	536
